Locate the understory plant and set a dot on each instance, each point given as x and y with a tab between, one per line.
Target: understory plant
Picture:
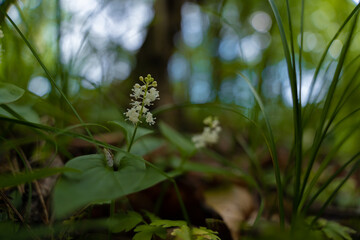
107	175
327	118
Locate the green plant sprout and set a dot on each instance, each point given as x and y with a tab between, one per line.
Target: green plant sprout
293	164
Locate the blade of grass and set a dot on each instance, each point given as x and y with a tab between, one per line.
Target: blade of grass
322	59
316	102
333	194
272	149
301	46
290	60
18	116
329	180
323	166
347	117
46	70
321	132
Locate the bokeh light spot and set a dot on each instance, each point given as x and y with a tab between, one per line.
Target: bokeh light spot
39	85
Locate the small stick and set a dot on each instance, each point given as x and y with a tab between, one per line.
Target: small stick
37	188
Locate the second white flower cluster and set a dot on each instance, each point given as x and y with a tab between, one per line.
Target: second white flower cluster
210	135
142	97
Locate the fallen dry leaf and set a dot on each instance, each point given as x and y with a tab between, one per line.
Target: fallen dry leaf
233	203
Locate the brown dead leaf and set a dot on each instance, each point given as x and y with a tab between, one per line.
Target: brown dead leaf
233	203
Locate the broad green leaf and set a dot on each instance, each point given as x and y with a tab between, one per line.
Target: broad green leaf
145	232
125	221
184	145
98	183
128	130
335	231
20	178
9	93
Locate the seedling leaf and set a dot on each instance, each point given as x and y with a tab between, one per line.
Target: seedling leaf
10	93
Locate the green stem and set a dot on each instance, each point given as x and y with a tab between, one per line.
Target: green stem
132	138
181	202
112	208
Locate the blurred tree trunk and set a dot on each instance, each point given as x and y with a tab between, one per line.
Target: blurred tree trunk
154	55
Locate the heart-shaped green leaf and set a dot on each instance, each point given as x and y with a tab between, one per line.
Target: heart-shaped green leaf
99	183
9	93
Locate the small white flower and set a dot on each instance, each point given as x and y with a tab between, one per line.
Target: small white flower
199	141
147	101
143	95
132	115
149	118
153	94
135	103
210	134
137	92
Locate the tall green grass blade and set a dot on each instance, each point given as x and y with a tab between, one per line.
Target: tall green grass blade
344	97
321	132
330	179
290	60
291	40
272	149
45	136
301	47
45	70
322	167
333	194
322	59
347	117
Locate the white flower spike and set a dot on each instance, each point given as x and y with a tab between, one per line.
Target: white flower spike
210	135
143	95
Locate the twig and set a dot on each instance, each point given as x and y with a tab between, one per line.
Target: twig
37	188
